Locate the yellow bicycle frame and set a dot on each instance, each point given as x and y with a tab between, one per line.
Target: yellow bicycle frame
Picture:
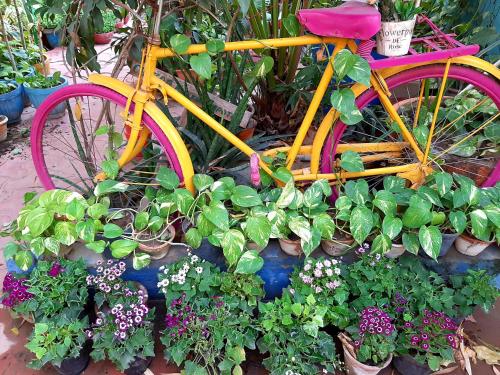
143	98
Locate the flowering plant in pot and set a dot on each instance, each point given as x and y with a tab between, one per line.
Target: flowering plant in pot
371	343
291	335
398	22
322	278
57	287
104	32
426	342
207	330
123	330
62	343
15	292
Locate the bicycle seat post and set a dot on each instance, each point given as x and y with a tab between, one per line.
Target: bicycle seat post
155	38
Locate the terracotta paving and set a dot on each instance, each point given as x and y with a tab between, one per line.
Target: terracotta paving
17	176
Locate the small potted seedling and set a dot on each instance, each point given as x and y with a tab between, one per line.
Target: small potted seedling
398	22
39	86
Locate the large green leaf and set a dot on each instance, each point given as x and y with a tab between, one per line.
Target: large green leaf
245	196
430	194
391	226
140	261
411	242
52	245
343	63
250	262
23	260
75	210
301	227
479	224
287	195
360	71
38	220
232	244
109	186
381	244
183	199
386	202
217	214
258	230
111	230
193	238
65	232
96	246
458	221
325	224
122	248
141	220
415	217
313	196
351	161
444	182
361	223
308	246
343	100
493	214
180	43
111	168
291	25
202	65
215	46
357	191
167	178
430	239
202	181
86	230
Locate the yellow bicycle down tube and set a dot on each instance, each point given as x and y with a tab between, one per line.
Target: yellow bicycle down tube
211	122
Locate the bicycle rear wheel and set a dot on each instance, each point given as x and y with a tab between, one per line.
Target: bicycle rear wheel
467	132
68	151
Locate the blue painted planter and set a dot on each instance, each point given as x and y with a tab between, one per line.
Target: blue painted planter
12	105
38	96
13	268
53	37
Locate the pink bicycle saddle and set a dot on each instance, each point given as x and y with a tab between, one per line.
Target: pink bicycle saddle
352	20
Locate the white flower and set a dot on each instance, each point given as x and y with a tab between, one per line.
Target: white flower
159	284
327	263
319	265
318	289
292	291
334	261
199	269
337	271
293	359
161	268
318	273
307	267
329	272
194	259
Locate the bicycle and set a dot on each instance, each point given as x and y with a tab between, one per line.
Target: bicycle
444	70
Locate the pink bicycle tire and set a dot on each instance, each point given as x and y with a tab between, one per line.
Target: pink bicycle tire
484	83
71	91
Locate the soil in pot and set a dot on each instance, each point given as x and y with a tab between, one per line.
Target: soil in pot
75	366
155	247
138	366
470	246
407	365
291	246
339	245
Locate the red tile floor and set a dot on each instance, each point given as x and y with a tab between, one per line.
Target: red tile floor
17	176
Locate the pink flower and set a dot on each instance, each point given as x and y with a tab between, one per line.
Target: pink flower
318	273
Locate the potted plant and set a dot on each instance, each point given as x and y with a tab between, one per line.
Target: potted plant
322	278
206	329
342	240
104	34
11	101
426	343
57	287
62	343
292	337
398	22
369	348
123	330
38	87
52	29
14	293
478	221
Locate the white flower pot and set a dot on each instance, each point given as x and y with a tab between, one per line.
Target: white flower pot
470	246
396	251
394	38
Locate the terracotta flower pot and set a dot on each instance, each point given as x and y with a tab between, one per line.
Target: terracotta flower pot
470	246
354	367
396	251
103	38
291	247
155	248
337	247
254	246
3	127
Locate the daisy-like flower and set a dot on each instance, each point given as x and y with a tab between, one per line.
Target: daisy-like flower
199	270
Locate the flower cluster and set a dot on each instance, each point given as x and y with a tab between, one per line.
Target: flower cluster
321	275
399	303
182	316
372	259
178	273
108	275
55	270
374	321
432	329
16	289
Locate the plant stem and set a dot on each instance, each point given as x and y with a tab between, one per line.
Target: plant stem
4	35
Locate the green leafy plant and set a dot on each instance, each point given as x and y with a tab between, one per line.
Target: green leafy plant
108	24
398	10
475	288
430	339
322	278
291	335
52	21
55	341
40	81
6	87
59	289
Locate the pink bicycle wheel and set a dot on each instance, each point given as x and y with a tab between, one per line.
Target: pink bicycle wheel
67	151
466	89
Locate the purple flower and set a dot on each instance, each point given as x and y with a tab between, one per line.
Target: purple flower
55	270
425	346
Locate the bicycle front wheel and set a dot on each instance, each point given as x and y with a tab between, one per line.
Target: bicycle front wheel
467	131
68	151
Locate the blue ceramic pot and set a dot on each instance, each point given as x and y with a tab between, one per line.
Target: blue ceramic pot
53	37
12	105
38	96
